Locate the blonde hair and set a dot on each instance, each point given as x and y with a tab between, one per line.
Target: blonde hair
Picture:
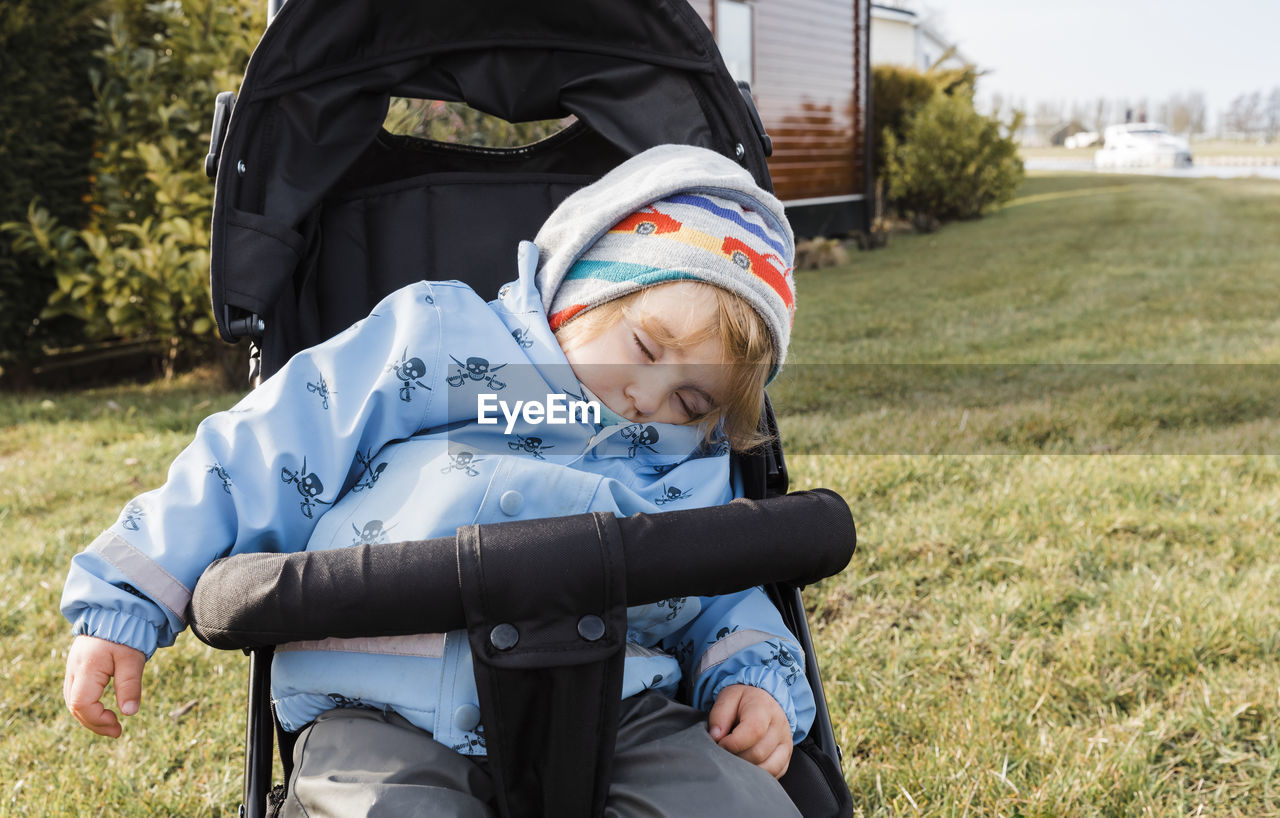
745	342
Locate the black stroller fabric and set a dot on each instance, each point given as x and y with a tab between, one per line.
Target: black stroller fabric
319	213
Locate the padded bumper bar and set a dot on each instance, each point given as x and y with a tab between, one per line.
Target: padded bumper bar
258	600
544	604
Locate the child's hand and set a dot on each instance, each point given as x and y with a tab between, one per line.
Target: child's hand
91	663
747	722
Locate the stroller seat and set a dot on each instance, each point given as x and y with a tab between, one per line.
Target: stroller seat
319	213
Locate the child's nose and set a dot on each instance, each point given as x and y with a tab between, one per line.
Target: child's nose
645	400
646	394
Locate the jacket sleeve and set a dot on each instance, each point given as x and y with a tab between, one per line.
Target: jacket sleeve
741	639
258	476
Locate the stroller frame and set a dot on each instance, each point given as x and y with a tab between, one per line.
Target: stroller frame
301	151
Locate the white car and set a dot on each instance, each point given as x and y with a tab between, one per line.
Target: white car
1083	139
1141	145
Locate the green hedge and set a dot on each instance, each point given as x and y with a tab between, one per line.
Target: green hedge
118	247
47	52
139	267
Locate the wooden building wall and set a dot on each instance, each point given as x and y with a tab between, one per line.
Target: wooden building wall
811	89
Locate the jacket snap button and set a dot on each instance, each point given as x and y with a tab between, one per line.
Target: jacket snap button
591	627
511	502
504	636
466	718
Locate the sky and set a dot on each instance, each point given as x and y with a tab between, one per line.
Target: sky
1085	49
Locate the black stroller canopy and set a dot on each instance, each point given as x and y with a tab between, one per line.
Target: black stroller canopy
306	162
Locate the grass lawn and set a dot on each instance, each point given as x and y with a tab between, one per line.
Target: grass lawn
1056	429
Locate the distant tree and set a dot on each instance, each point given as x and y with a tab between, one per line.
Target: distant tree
1080	114
1273	114
1101	118
1245	114
1199	112
997	104
1183	113
1046	117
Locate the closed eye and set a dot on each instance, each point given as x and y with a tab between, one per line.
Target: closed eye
689	414
643	349
696	407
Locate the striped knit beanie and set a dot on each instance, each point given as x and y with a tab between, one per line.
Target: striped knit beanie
687	237
670	213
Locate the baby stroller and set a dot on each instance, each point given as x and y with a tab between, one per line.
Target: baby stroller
319	212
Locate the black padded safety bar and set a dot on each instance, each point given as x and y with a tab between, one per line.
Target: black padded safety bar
544	604
256	600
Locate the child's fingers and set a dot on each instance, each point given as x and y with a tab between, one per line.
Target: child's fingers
82	693
128	676
91	665
745	738
777	763
724	712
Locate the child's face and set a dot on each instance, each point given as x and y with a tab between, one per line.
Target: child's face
639	377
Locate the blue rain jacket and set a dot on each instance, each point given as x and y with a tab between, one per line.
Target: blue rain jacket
376	436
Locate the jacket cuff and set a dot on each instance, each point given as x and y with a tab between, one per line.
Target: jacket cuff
121	628
773	683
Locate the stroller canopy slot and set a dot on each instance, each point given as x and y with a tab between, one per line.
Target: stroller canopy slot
312	136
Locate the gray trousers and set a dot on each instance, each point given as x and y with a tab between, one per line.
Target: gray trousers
359	762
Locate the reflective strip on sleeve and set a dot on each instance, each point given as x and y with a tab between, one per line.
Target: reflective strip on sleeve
731	644
426	646
639	651
144	573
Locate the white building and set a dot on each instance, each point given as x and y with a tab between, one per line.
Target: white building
902	34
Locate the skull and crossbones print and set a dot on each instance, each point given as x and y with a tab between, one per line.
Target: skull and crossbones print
463	462
671	494
217	469
531	444
133	515
309	486
476	369
787	664
641	437
409	371
523	337
369	473
373	533
321	389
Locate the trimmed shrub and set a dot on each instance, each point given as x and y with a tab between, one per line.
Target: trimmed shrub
898	92
952	163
